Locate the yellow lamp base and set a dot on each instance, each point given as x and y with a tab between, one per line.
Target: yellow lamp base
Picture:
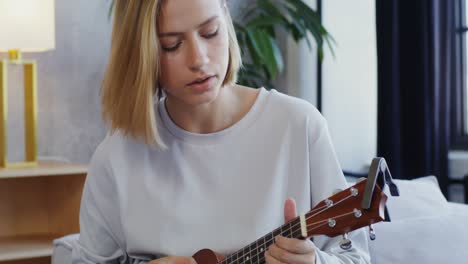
30	112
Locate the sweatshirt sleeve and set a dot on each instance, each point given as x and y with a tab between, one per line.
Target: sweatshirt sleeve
101	238
325	177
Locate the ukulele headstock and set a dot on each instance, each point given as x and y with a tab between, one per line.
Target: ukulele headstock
342	212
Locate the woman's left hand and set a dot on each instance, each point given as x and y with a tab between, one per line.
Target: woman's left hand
290	250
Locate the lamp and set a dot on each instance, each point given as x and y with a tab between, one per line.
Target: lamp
25	26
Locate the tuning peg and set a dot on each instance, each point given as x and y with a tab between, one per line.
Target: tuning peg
371	232
345	243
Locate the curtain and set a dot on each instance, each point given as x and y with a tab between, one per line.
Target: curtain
414	49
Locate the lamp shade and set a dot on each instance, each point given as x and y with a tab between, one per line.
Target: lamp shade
27	25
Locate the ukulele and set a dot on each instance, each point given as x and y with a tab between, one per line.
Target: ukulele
362	204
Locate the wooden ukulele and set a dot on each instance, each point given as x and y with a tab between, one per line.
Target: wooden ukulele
360	205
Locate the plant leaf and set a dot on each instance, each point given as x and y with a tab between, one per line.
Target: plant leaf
264	46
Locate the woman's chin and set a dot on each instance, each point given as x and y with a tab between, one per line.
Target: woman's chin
205	98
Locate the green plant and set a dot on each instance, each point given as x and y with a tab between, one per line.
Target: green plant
257	34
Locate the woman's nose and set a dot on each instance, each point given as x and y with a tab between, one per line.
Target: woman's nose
198	55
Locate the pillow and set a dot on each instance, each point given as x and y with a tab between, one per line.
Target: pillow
425	228
419	198
429	240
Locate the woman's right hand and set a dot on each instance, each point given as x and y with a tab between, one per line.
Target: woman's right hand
174	260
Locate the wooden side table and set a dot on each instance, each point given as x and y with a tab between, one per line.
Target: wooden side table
38	205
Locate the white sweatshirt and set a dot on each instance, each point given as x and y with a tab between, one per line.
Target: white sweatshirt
220	191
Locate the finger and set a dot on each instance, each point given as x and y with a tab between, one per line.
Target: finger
269	259
284	256
295	245
289	210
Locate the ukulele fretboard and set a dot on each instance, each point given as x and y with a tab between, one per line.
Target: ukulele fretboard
255	252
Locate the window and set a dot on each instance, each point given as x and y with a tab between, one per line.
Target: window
460	94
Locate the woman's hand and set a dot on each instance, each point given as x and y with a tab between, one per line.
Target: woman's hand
290	250
174	260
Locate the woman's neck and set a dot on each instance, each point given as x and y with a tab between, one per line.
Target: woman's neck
230	105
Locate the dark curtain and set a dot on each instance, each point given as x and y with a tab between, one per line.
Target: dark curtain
414	47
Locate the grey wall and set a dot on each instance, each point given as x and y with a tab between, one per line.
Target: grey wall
69	120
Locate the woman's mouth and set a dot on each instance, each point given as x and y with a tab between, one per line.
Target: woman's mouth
203	85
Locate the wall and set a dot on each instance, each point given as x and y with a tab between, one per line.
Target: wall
69	117
300	76
350	81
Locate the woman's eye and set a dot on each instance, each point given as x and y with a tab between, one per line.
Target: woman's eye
173	48
212	35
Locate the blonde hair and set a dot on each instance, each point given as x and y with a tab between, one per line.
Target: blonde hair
131	79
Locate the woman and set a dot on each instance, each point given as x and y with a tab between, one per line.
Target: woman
194	160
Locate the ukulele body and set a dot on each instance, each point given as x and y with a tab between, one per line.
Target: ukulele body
207	256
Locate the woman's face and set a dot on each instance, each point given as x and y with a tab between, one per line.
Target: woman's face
194	45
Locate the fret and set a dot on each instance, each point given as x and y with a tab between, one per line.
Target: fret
257	250
276	233
253	252
245	255
242	256
259	245
261	259
233	258
264	246
228	259
285	230
268	240
298	229
238	257
295	225
261	251
292	228
241	259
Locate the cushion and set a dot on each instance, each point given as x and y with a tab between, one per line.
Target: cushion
419	198
429	240
425	228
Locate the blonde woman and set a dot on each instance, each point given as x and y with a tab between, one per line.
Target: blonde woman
192	159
